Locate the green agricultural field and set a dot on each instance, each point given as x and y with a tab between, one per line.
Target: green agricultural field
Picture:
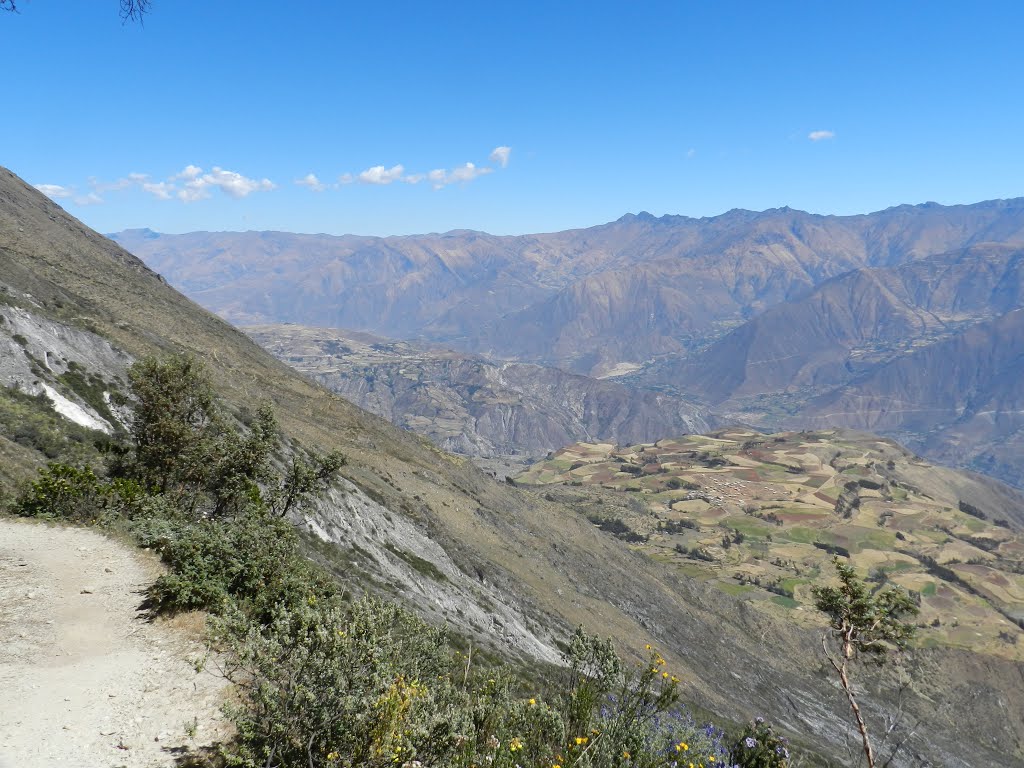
759	517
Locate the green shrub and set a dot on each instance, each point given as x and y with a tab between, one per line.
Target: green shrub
760	747
76	494
321	686
63	492
252	560
376	686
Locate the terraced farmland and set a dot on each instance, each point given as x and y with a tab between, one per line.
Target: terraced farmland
762	515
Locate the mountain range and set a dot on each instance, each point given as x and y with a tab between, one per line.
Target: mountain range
585	300
778	319
928	352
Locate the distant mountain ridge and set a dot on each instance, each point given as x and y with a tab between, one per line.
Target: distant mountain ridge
585	299
915	351
966	413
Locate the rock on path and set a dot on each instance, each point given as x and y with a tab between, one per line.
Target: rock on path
85	680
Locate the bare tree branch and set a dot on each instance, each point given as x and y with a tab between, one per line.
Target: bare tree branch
134	10
131	10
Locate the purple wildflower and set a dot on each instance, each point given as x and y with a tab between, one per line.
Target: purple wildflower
750	742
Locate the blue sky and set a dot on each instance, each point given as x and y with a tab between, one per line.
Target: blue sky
208	115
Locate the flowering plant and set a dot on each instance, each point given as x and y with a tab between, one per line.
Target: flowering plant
760	747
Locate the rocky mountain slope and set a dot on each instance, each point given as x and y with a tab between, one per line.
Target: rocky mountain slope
853	322
472	406
588	300
506	566
959	400
927	352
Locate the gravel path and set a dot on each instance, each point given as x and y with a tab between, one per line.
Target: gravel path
85	681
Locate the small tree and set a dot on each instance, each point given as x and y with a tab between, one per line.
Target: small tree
302	480
861	623
174	423
186	448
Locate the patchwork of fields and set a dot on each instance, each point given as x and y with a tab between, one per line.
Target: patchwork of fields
762	515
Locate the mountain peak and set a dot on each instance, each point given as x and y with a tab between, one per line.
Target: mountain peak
631	217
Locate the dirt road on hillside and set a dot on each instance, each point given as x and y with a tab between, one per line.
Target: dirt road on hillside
85	681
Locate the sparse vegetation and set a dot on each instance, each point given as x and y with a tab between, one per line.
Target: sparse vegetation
91	388
29	421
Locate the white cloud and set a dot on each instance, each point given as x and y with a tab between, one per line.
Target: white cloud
438	178
161	190
130	180
312	182
193	191
58	192
467	172
188	172
193	183
232	184
198	185
500	156
381	175
55	191
235	184
463	174
821	135
90	199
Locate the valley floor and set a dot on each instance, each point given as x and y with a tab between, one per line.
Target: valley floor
85	679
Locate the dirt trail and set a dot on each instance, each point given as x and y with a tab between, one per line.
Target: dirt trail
85	681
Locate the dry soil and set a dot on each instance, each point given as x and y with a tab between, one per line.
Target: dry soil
86	680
